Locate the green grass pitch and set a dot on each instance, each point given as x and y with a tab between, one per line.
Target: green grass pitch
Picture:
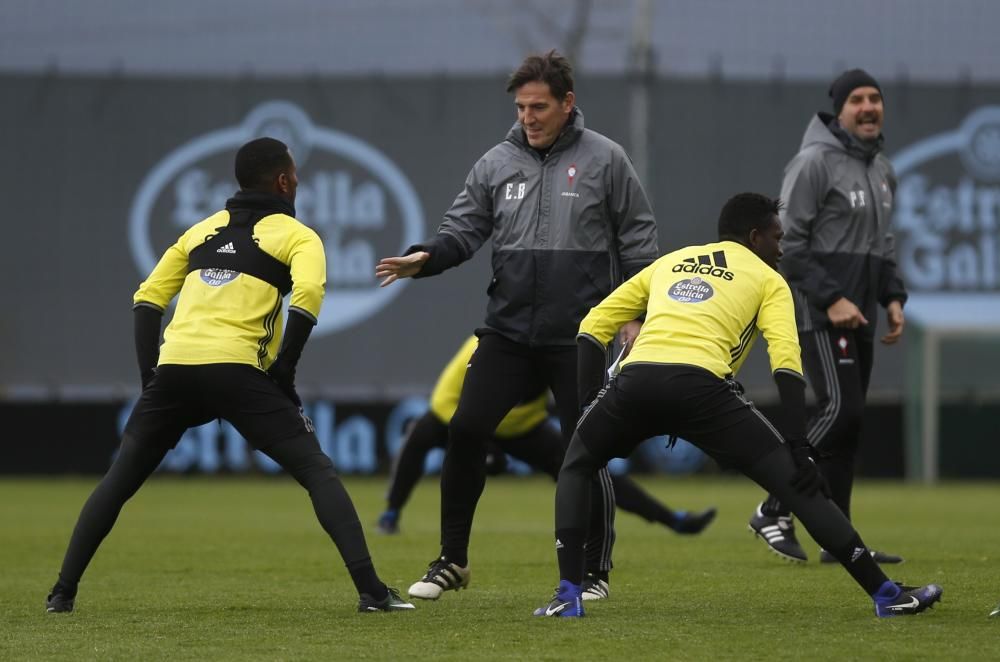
238	569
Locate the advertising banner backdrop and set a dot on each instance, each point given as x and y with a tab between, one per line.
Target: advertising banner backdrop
104	173
947	212
358	200
360	439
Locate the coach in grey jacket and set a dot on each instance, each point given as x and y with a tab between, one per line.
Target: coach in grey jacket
569	221
840	263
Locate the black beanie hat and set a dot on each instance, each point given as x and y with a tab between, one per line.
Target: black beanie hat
846	83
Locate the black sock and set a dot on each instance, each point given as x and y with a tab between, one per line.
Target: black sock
569	549
365	580
456	555
64	588
857	560
772	508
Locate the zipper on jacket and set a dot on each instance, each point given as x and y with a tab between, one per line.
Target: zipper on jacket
534	254
875	191
541	194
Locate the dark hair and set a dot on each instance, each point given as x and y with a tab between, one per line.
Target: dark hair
259	161
745	212
551	68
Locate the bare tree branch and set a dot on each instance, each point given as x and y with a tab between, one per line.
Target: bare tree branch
577	32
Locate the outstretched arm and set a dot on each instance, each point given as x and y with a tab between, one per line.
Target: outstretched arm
467	224
391	269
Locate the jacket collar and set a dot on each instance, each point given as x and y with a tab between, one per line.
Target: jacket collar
261	202
824	128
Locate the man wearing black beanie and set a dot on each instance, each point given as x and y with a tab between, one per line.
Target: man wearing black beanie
839	260
846	83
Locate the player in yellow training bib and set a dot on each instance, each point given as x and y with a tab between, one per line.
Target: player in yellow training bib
526	434
224	356
704	306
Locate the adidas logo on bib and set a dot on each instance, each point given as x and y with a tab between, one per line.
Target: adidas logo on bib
228	248
707	265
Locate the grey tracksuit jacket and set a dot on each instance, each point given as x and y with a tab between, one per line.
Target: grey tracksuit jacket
566	231
838	241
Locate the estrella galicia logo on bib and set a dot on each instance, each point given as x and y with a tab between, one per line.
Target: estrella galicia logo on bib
352	195
691	290
218	277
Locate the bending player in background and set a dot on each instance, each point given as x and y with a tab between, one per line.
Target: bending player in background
704	306
525	434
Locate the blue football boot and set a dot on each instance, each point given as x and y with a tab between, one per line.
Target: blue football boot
894	600
566	603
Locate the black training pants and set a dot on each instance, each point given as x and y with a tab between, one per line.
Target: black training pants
184	396
501	374
645	400
838	364
542	447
